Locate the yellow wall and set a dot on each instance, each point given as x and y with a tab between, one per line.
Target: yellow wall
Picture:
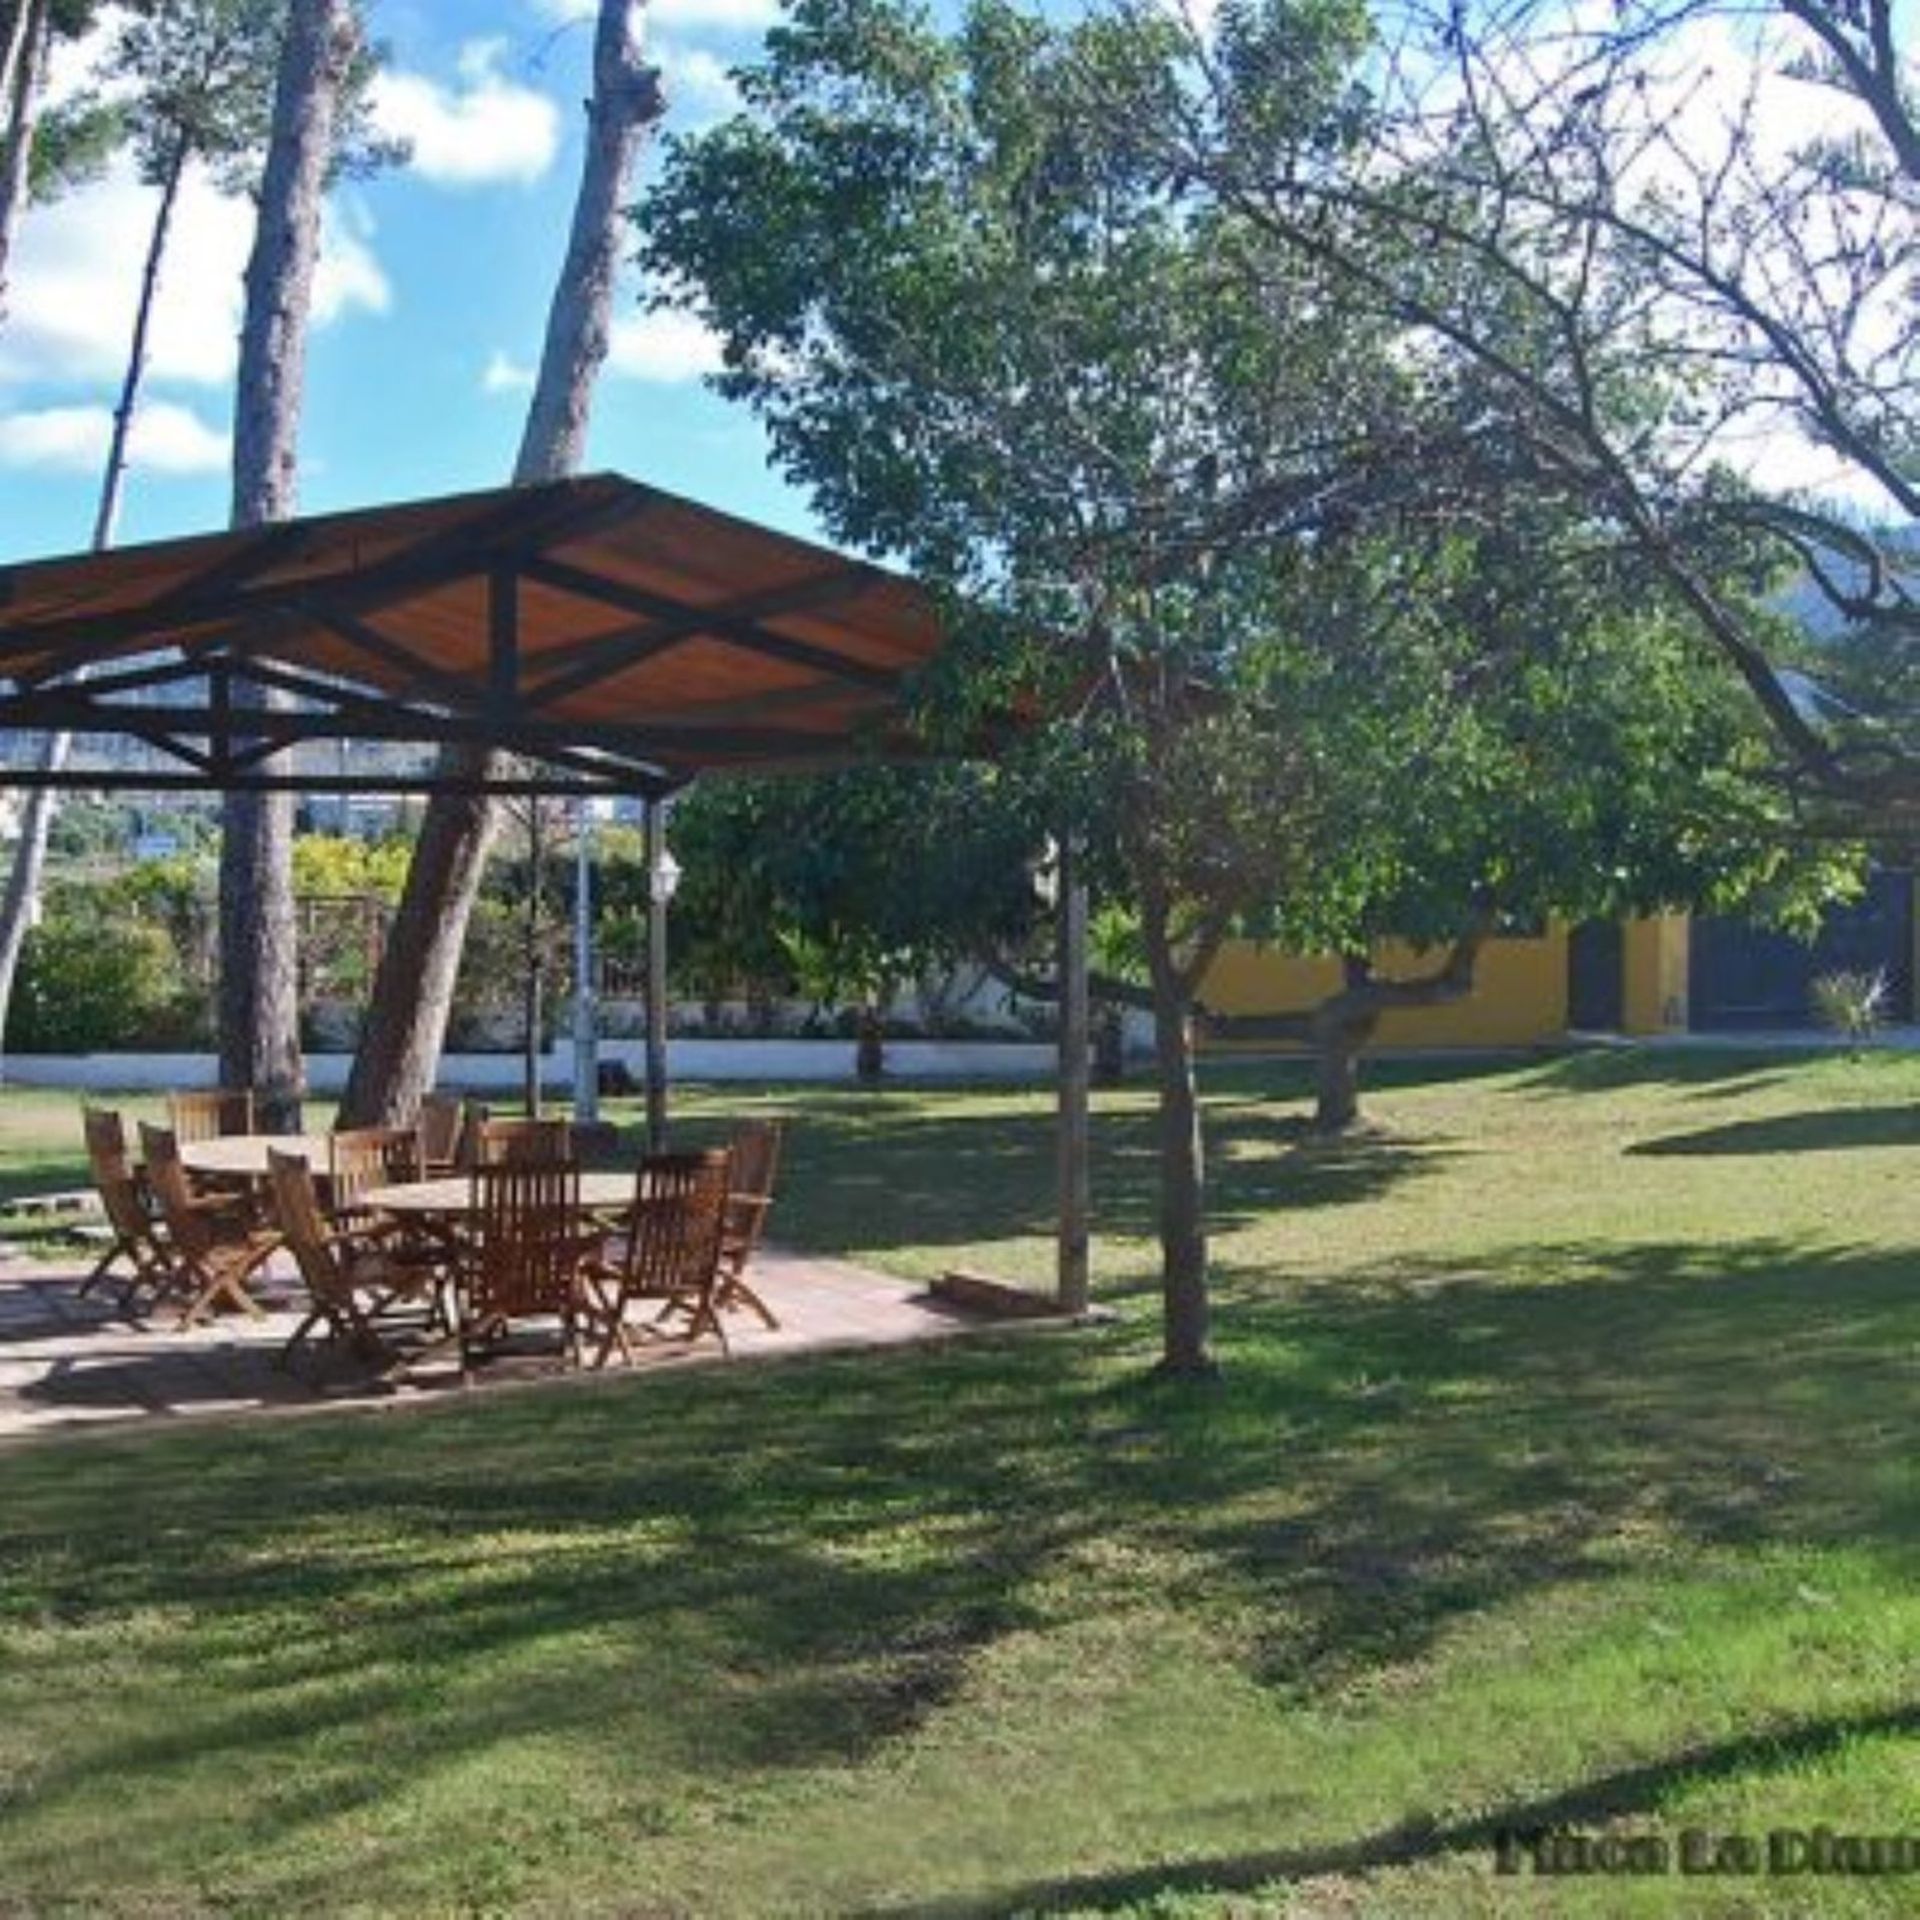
1519	995
1654	992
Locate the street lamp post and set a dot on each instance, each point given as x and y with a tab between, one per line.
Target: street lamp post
1059	884
663	878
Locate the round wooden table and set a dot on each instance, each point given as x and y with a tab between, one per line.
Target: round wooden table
599	1193
243	1156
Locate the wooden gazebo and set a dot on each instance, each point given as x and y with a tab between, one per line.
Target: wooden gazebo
591	636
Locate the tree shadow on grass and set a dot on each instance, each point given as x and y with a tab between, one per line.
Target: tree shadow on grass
1817	1130
1483	1432
716	1579
1713	1071
894	1172
1631	1791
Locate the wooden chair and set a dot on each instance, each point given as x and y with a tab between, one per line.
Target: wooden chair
668	1257
755	1160
211	1114
364	1157
442	1122
522	1143
351	1281
214	1254
525	1244
136	1236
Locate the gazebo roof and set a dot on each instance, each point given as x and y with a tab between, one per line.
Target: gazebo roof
626	638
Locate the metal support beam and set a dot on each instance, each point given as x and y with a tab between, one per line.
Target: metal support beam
503	639
1072	1269
656	978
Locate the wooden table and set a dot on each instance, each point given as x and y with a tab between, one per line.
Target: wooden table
599	1193
237	1156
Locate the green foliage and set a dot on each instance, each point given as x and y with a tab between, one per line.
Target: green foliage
194	79
78	991
72	144
1338	659
121	963
846	885
335	865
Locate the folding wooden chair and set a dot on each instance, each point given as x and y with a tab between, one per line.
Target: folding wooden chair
364	1157
136	1236
351	1281
211	1114
522	1142
668	1257
755	1161
523	1251
214	1254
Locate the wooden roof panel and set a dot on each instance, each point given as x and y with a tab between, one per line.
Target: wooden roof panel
636	610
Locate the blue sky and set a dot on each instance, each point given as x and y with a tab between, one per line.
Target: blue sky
432	300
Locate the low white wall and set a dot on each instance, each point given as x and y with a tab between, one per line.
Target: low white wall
818	1060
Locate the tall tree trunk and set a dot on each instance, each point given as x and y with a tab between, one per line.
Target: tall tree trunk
413	994
1185	1349
113	482
21	900
259	970
26	32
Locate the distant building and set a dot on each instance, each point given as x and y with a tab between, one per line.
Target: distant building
1674	974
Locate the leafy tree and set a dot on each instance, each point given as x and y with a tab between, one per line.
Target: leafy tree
1176	483
852	883
1722	197
37	151
1543	745
191	83
317	128
983	336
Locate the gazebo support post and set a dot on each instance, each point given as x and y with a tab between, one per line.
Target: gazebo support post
656	977
1071	1284
586	1013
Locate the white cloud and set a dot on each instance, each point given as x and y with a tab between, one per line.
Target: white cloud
664	348
505	374
166	438
718	16
348	273
483	129
700	89
76	280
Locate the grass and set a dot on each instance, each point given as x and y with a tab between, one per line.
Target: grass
1562	1473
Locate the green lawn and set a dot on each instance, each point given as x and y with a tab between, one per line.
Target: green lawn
1563	1472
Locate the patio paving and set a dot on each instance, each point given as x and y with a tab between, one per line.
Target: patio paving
67	1362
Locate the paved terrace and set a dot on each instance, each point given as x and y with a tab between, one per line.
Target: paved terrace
67	1361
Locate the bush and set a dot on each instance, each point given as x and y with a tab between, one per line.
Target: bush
1852	1004
81	990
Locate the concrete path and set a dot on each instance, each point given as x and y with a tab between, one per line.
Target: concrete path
67	1361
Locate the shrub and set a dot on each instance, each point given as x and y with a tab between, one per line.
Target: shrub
81	990
1853	1004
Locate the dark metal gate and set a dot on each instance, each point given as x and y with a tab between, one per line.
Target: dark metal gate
1596	976
1743	976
